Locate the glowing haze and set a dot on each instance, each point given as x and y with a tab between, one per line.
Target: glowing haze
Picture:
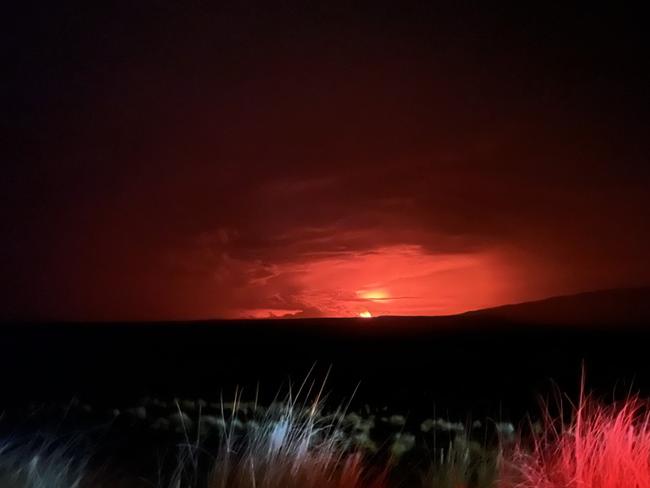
396	280
197	161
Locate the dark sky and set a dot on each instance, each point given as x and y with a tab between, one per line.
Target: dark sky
171	160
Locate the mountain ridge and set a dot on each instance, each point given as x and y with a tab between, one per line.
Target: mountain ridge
622	305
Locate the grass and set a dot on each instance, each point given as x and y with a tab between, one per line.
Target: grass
465	464
41	462
295	445
602	446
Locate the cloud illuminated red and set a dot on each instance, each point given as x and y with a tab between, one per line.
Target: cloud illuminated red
214	164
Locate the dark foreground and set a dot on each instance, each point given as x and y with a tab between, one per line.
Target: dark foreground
485	364
133	394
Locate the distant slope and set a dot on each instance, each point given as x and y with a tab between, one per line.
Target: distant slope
630	306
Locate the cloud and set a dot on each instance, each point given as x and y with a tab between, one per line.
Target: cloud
284	180
394	279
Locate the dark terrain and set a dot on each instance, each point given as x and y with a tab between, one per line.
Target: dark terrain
493	362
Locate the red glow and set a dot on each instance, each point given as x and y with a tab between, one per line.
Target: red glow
391	280
196	176
603	447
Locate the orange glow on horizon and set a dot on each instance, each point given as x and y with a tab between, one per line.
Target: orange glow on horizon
365	315
395	280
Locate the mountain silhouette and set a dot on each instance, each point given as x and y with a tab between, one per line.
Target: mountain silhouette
623	306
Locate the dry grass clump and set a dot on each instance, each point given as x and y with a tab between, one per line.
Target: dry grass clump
465	464
293	446
41	462
601	447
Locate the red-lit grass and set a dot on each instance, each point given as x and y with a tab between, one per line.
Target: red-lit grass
600	447
294	446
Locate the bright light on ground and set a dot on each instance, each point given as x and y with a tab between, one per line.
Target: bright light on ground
365	315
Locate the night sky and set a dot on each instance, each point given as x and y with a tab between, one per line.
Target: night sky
188	160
